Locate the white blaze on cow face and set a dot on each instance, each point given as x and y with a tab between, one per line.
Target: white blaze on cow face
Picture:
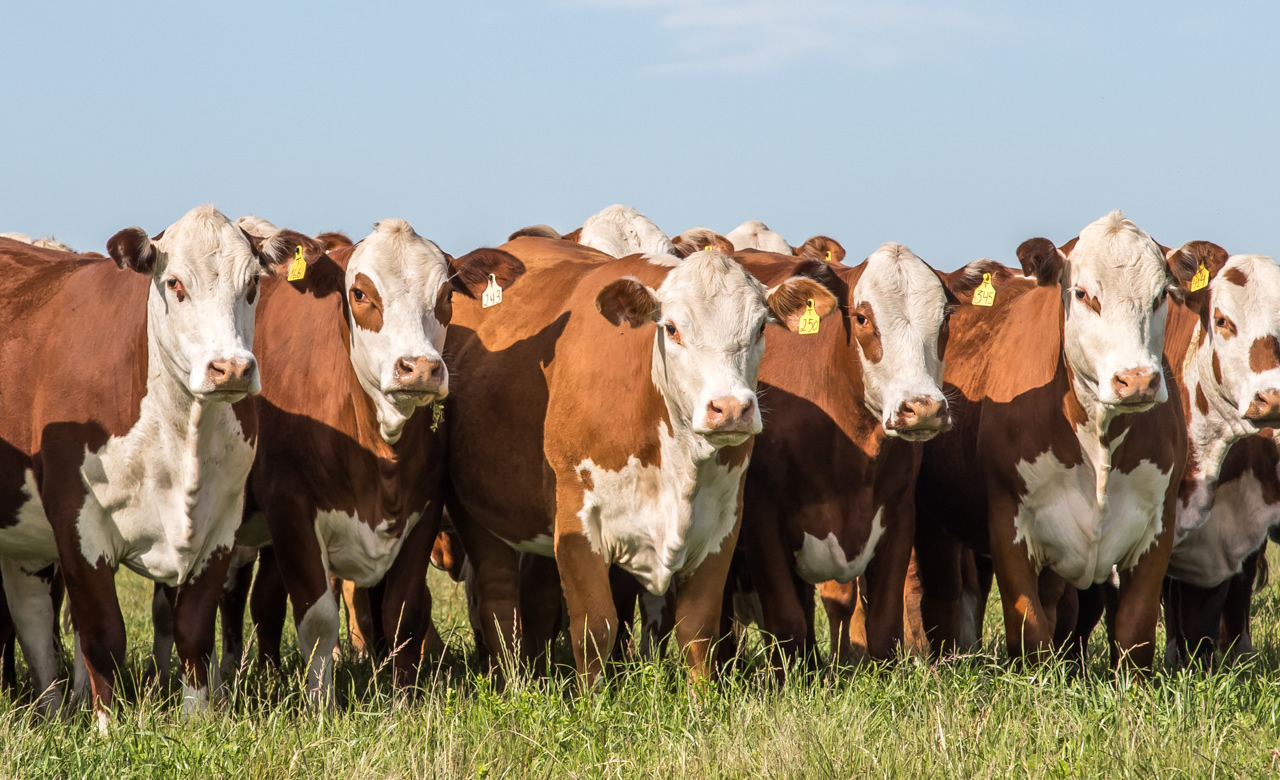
709	343
1244	329
897	312
1114	283
754	234
200	310
619	231
394	278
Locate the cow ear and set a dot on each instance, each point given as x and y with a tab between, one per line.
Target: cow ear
822	248
1041	259
131	249
470	273
627	300
1185	263
789	301
280	249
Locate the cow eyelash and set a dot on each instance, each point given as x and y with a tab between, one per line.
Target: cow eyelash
358	294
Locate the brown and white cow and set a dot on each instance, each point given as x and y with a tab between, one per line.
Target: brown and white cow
757	235
1065	460
830	488
349	468
606	418
1224	346
128	439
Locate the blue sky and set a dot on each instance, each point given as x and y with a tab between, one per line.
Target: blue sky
959	129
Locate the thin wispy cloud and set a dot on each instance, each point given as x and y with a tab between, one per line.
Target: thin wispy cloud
760	35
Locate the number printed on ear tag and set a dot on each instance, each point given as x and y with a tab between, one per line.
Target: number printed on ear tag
492	294
298	268
985	294
809	320
1201	279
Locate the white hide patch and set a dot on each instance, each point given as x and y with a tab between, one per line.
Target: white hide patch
542	544
354	551
659	521
169	493
619	231
1080	534
754	234
819	560
317	636
1209	554
30	541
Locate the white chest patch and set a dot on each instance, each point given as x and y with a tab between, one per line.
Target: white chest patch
1237	525
1081	529
819	560
659	521
160	500
29	542
354	551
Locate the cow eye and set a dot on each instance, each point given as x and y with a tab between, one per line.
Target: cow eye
762	326
1220	322
357	295
671	330
861	319
1081	294
176	287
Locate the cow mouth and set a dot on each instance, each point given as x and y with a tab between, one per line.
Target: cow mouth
1136	405
414	396
923	433
225	394
726	438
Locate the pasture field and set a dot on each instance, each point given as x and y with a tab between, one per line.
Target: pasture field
974	717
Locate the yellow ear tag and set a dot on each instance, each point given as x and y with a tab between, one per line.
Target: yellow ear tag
985	294
706	248
298	268
1201	279
829	258
809	320
492	294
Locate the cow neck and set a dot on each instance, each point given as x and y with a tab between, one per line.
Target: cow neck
1213	422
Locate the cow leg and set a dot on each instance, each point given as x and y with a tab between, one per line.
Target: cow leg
494	585
268	604
941	604
1089	608
657	621
8	635
1199	613
195	614
886	578
235	595
359	619
698	600
315	610
1138	604
846	618
1028	628
541	609
626	592
34	619
162	639
1234	639
783	611
593	619
406	600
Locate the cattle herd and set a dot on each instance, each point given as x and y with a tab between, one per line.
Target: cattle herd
699	429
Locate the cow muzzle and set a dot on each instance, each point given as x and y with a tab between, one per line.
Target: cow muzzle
1137	387
919	419
1264	409
417	380
231	377
730	418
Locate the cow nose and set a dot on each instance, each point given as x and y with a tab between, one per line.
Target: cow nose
922	413
418	373
230	375
731	414
1265	406
1136	386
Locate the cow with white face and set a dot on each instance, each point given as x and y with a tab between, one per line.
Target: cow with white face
348	478
1065	462
829	494
135	423
629	405
757	235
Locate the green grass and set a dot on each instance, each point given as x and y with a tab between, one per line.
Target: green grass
969	718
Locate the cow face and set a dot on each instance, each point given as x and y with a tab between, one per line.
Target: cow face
711	315
200	310
393	280
897	317
1114	283
1244	330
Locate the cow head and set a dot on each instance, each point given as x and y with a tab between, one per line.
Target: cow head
200	308
1240	319
898	317
398	289
711	315
1114	281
